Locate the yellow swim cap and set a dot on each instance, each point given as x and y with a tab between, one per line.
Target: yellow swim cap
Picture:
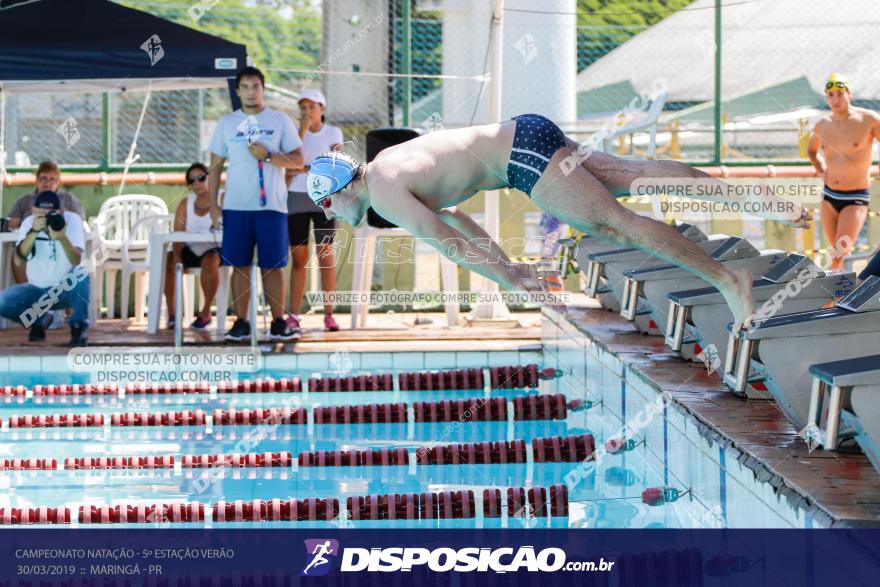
837	81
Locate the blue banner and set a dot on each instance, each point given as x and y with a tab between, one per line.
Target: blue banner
200	558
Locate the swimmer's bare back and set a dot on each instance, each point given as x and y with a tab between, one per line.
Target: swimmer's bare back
442	168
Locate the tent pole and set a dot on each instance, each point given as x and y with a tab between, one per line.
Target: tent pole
131	158
2	144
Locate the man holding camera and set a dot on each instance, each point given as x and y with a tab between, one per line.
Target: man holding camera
51	243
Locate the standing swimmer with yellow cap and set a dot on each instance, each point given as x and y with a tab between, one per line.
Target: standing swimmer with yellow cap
840	150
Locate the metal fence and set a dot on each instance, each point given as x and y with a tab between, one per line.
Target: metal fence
595	67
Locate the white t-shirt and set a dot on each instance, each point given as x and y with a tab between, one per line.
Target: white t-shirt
315	143
275	131
48	263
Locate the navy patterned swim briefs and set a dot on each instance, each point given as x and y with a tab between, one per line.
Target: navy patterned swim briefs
535	140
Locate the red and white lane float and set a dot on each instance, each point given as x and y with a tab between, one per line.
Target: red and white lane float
382	382
28	465
142	513
540	407
167	388
354	458
267	459
556	449
134	462
478	453
519	377
409	506
533	503
491	503
533	407
619	444
507	377
656	496
260	510
56	421
559	500
182	418
368	414
445	505
40	515
268	416
259	385
475	409
441	380
64	389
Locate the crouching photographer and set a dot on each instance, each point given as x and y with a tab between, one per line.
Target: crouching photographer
51	243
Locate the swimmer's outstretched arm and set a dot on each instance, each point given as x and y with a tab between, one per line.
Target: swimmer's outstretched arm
425	224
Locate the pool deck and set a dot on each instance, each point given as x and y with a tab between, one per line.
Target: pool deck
838	490
394	333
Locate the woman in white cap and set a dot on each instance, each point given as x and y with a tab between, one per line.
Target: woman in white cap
317	137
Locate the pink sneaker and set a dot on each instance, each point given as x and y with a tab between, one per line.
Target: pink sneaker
292	321
330	324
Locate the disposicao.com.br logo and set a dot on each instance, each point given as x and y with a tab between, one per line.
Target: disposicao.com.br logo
445	559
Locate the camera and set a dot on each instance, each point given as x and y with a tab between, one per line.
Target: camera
55	221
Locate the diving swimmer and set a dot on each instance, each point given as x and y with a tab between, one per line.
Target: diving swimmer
417	185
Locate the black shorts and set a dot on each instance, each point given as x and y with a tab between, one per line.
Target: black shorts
190	260
840	199
298	228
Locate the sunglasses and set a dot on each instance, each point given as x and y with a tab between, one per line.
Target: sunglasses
835	86
192	180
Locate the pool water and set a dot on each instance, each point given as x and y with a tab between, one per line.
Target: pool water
606	494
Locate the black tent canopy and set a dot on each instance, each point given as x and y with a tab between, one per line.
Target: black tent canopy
98	45
95	46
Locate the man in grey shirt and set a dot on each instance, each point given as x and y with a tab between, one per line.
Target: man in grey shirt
48	178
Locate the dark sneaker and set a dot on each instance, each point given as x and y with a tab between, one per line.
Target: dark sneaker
77	336
38	328
199	323
281	331
240	330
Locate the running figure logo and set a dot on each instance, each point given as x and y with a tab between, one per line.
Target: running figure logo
319	550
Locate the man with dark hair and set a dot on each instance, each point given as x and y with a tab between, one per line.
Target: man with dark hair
51	242
249	71
259	144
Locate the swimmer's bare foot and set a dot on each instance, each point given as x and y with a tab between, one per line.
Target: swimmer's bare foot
738	295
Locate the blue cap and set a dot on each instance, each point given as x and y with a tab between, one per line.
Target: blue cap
330	172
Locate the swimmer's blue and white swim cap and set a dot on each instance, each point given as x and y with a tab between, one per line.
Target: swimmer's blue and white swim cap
330	172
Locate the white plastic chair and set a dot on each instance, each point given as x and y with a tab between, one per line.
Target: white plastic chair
646	123
137	262
113	227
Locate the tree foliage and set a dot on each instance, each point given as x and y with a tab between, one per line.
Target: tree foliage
279	34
